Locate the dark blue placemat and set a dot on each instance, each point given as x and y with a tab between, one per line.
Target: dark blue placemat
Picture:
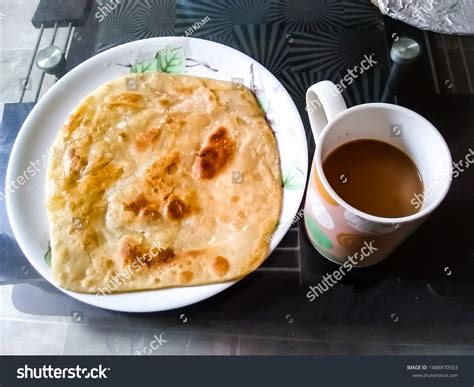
14	267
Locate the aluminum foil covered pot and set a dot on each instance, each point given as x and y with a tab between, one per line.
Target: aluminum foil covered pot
445	16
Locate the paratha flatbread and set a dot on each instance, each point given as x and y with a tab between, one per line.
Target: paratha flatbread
160	180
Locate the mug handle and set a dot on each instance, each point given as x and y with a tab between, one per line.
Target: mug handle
324	101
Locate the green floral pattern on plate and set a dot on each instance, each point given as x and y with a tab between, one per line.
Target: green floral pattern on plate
167	60
293	178
47	256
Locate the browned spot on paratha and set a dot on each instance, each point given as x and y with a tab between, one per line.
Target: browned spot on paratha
143	208
137	204
131	252
215	154
185	277
128	99
220	266
175	208
146	138
164	256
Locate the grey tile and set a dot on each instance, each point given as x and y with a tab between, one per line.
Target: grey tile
83	339
17	31
17	40
440	350
200	344
260	346
267	346
413	350
8	310
163	343
14	66
383	349
31	338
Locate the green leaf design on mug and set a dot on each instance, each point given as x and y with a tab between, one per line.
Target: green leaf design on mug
167	60
316	233
293	178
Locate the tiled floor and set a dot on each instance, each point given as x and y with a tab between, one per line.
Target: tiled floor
32	337
17	40
25	334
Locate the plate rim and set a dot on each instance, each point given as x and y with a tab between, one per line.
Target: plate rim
206	291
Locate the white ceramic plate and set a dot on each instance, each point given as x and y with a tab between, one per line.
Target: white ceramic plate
26	203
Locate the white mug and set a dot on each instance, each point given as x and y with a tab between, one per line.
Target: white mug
336	229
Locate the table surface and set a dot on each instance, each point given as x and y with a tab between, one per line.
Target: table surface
419	301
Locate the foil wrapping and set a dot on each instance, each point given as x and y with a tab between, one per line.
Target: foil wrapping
445	16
